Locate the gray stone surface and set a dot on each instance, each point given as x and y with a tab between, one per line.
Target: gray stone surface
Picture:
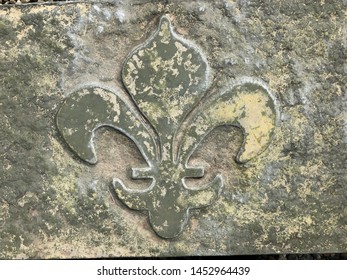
290	198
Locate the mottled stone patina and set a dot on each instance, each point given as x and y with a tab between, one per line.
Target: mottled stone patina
289	198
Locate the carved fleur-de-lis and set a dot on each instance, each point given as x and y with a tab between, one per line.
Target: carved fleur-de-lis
167	118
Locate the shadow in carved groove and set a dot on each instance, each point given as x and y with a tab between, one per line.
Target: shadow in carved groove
166	77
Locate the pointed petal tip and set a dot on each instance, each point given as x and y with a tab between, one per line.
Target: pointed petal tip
93	160
165	18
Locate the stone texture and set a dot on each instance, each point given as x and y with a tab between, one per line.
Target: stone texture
289	199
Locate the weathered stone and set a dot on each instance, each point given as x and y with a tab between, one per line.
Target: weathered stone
179	79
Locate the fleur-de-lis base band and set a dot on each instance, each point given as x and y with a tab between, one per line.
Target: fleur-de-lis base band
165	129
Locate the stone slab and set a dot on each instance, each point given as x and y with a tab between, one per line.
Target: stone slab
248	95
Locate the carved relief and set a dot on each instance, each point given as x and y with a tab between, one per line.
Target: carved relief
167	78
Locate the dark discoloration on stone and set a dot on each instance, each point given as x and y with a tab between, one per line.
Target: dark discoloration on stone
290	199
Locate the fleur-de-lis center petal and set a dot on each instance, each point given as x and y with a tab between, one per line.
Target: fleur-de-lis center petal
166	76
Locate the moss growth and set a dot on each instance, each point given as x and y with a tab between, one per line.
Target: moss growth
6	33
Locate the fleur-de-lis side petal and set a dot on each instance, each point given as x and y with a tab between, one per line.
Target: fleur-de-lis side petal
90	108
246	104
167	77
